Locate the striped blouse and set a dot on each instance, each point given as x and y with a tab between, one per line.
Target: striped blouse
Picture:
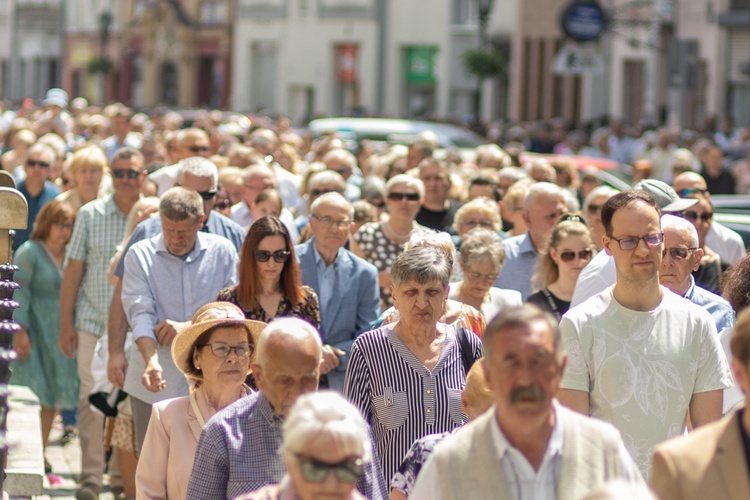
399	397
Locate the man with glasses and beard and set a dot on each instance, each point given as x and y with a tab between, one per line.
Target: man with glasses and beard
641	357
543	449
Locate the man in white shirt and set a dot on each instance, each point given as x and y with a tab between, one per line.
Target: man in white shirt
641	357
544	450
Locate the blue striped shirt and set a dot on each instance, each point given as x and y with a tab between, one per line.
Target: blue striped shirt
400	398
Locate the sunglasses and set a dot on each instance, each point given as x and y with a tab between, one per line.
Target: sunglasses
569	255
315	471
279	256
694	216
198	149
678	253
208	195
222	350
687	192
121	174
403	196
37	163
651	240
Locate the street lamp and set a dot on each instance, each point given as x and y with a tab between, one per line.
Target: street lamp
483	7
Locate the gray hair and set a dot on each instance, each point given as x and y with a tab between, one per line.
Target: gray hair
421	265
518	316
439	240
341	155
482	244
680	226
322	418
541	189
127	153
332	199
179	203
571	201
598	192
327	178
482	205
512	173
197	166
405	180
294	328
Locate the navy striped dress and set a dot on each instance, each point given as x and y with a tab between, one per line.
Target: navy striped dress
400	399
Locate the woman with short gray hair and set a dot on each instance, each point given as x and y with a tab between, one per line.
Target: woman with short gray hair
406	378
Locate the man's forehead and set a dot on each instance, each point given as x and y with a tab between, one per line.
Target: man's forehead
413	285
132	163
535	334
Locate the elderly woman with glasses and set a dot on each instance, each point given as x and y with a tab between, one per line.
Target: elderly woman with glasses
326	443
482	259
479	212
215	353
406	378
270	282
381	242
568	251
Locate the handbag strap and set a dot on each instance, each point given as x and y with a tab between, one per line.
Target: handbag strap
464	348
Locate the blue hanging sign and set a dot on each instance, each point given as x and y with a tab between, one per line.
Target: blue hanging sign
583	20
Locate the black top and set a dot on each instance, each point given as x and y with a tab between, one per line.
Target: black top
723	184
439	221
708	275
548	301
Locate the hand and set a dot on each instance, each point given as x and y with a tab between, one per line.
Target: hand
117	367
68	340
151	378
22	343
330	359
167	330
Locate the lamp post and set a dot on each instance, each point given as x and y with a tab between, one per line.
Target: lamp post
483	8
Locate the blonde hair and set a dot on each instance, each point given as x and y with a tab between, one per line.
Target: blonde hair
88	156
482	205
476	392
547	270
482	244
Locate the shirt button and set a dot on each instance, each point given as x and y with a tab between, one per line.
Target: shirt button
429	391
429	410
389	401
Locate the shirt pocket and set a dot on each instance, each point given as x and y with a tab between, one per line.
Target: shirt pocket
454	406
392	408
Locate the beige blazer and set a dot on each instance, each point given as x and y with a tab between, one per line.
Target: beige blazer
165	464
707	463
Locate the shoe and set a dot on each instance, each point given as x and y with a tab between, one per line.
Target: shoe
88	491
54	479
67	436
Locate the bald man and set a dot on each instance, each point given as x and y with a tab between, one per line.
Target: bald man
722	240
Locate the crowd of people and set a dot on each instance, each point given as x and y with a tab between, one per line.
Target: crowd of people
488	324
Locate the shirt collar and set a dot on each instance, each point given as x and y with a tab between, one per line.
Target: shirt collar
267	411
526	245
319	260
554	446
691	289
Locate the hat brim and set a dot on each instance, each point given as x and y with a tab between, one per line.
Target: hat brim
182	345
680	205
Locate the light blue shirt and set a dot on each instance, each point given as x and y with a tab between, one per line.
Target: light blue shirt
520	265
720	310
158	285
326	278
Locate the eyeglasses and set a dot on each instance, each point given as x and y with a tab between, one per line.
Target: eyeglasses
222	350
490	278
592	209
403	196
678	253
328	222
208	195
474	223
568	255
63	225
687	192
315	471
571	218
694	216
651	240
279	256
119	173
37	163
198	149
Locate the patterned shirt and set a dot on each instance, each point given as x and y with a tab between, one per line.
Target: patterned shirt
378	251
238	453
400	398
98	230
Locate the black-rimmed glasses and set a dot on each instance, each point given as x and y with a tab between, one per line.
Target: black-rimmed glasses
315	471
651	240
222	350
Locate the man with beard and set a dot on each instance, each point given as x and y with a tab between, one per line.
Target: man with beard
544	450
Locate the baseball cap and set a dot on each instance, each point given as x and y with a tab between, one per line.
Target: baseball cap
665	196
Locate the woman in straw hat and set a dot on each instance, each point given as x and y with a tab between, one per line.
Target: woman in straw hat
215	352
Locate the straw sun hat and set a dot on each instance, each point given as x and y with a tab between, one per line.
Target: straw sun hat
209	316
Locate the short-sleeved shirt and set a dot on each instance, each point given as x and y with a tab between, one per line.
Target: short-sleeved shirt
99	228
641	368
35	204
379	251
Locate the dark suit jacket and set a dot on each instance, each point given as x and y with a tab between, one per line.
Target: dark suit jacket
354	304
707	463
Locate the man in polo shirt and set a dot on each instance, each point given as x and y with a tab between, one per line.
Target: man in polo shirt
36	187
85	295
